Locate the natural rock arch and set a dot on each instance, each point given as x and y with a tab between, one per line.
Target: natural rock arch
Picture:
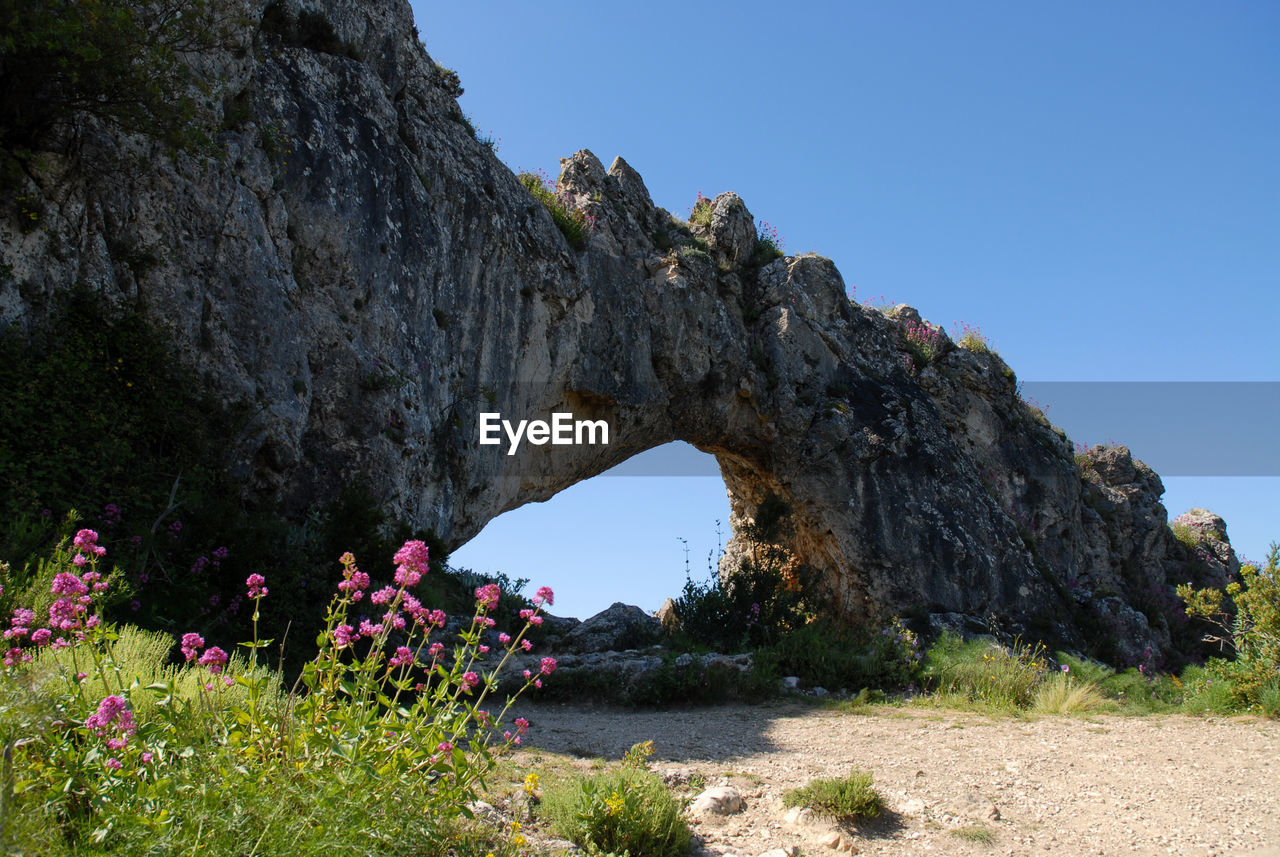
391	279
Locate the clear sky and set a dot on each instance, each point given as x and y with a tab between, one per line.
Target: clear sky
1094	184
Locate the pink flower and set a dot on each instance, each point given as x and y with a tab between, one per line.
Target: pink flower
66	583
435	649
525	614
108	711
522	725
344	635
40	636
368	629
117	743
213	658
256	588
482	649
526	645
114	764
548	666
504	638
383	595
469	680
1065	668
482	716
411	563
444	747
487	596
437	618
147	757
191	645
86	542
402	657
544	596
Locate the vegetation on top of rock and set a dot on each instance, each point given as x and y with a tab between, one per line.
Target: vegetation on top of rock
573	220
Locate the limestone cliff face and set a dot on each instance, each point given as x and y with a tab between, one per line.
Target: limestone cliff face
373	277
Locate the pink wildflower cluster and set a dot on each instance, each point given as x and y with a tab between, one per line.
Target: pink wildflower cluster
86	545
113	718
257	586
924	337
214	658
411	563
487	596
70	611
354	581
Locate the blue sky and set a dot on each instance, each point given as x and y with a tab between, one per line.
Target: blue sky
1093	184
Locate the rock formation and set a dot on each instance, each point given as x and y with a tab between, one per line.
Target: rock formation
354	261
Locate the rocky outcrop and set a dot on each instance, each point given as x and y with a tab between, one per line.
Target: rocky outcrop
359	266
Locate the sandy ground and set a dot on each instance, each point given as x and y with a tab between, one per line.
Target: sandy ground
1102	786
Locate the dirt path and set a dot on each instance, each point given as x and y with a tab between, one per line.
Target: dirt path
1104	786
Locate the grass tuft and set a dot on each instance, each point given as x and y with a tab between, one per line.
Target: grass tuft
975	833
1061	694
848	800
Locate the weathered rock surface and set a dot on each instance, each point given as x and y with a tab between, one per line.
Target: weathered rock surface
621	627
718	800
373	278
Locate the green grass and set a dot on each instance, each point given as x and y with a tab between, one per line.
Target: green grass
626	809
1060	694
975	833
995	676
847	800
574	223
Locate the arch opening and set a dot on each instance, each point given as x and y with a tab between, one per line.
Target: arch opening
630	534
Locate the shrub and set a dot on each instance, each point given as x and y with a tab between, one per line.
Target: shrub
849	800
1002	677
768	244
624	810
700	213
1252	634
573	220
120	61
758	602
823	653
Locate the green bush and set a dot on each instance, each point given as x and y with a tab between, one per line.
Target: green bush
847	800
120	61
624	810
1247	615
757	603
1004	678
827	654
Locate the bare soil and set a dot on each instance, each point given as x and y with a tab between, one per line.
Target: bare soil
1099	786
